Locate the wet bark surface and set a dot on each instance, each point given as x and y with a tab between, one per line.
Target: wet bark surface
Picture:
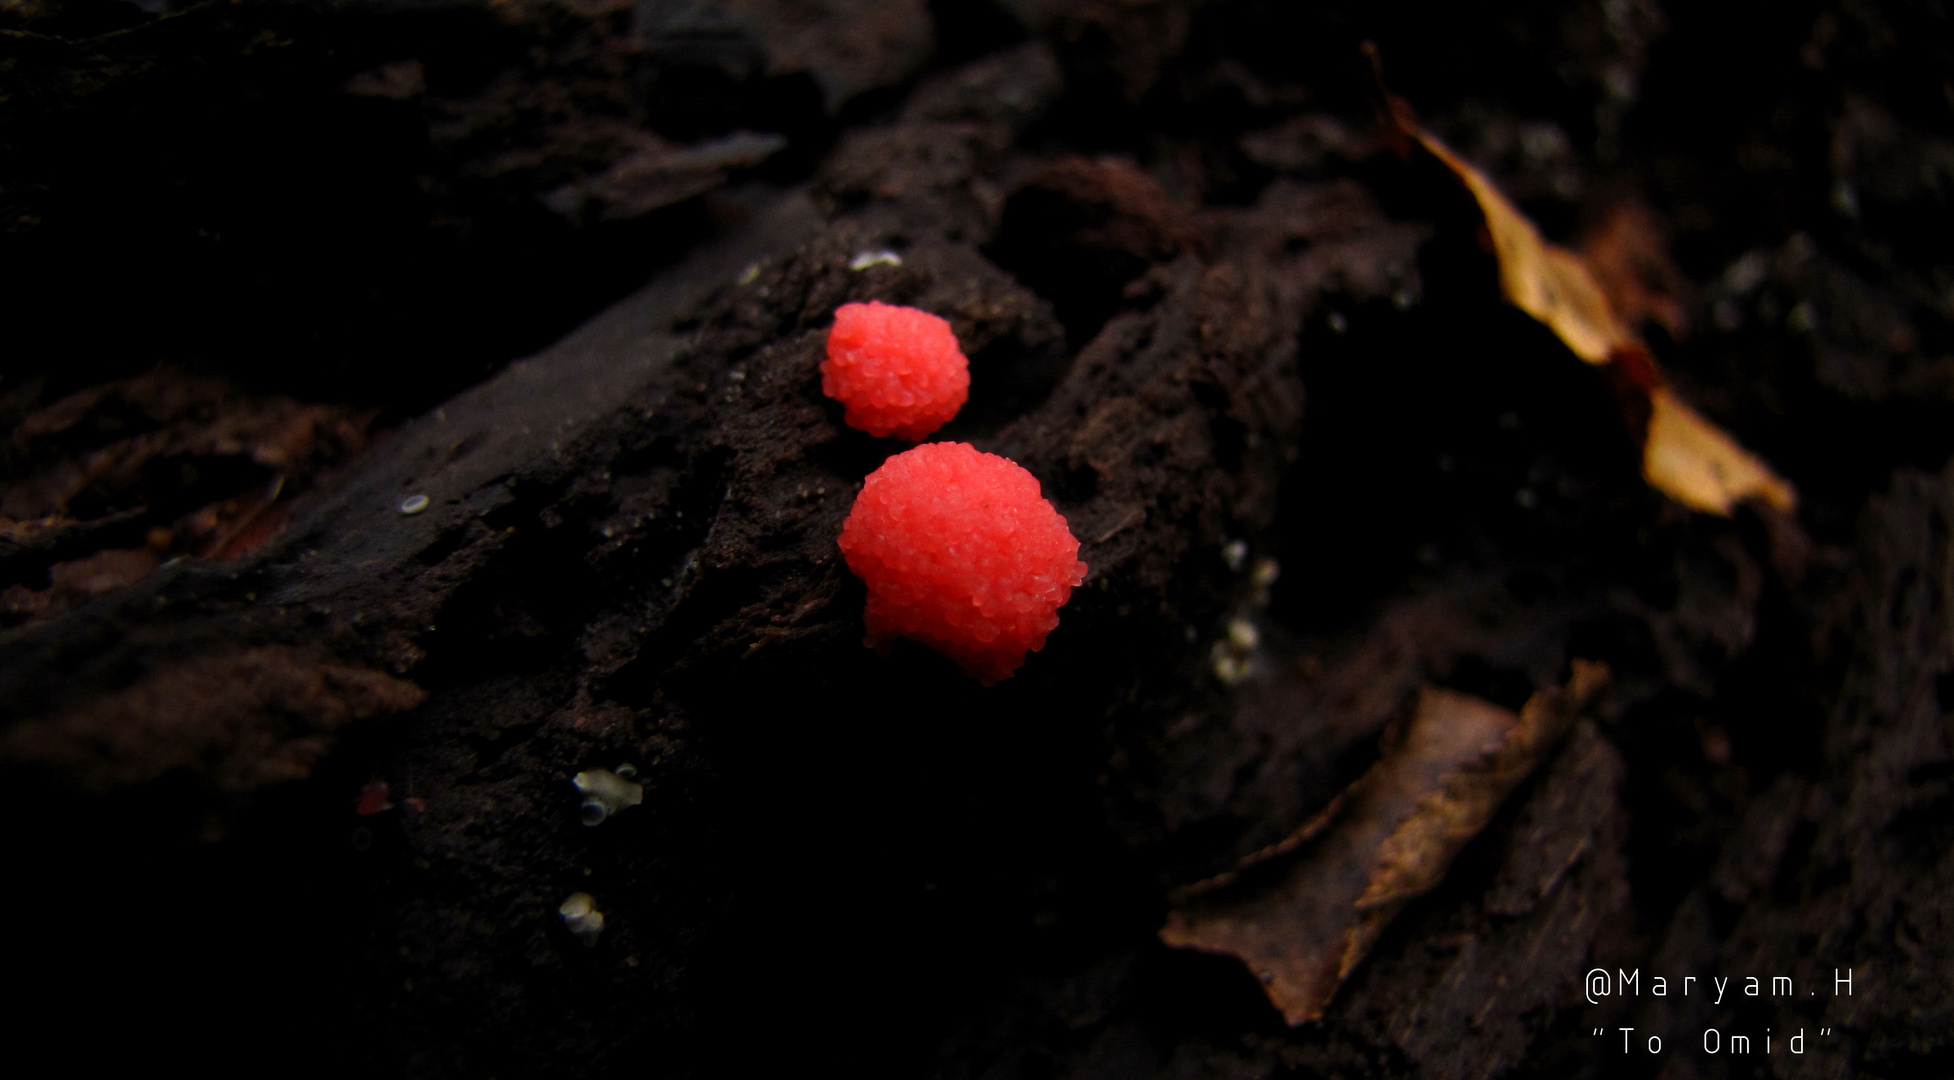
291	781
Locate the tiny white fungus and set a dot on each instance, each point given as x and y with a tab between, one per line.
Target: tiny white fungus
1266	572
606	793
1235	554
581	916
1243	635
1229	668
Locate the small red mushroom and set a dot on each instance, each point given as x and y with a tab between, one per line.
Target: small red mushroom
896	370
960	551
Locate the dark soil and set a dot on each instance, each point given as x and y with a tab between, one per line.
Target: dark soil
317	596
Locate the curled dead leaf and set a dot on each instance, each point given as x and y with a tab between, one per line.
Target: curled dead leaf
1683	455
1389	840
1699	465
1544	280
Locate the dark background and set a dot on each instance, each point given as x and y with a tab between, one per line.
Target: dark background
376	206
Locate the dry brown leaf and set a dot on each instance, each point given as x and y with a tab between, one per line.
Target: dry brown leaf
1400	828
1683	455
1697	464
1544	280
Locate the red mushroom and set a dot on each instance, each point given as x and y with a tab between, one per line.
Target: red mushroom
960	551
896	370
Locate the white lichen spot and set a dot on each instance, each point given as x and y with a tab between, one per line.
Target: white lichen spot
1232	658
865	259
581	916
1265	573
1747	273
1229	666
606	793
1235	554
413	504
1242	635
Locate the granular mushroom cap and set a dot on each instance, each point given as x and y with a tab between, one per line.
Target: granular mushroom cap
960	551
896	370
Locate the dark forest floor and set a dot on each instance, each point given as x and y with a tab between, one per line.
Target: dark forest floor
414	405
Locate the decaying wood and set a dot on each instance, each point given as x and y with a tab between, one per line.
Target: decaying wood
319	799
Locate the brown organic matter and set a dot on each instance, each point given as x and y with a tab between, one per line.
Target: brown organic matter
236	723
412	407
1379	845
1684	455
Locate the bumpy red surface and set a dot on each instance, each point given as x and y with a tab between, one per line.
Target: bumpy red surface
896	369
961	552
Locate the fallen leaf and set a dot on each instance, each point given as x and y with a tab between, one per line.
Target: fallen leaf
1697	464
1386	841
1683	455
1544	280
